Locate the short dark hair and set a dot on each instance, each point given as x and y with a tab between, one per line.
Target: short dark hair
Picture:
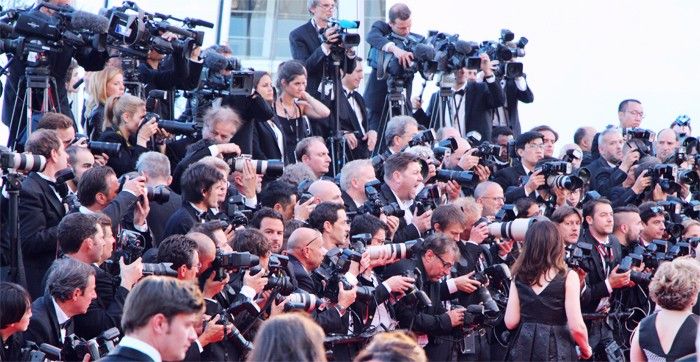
264	212
444	215
524	204
646	212
208	228
252	241
302	147
160	295
55	121
589	207
65	276
439	244
74	228
500	131
526	138
399	11
276	192
623	105
367	224
325	211
579	134
398	162
197	178
544	127
42	142
94	180
177	249
14	302
564	211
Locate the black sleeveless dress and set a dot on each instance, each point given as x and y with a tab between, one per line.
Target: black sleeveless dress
543	334
683	344
293	131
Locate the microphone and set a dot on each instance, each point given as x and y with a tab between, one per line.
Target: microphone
214	61
423	52
91	22
198	22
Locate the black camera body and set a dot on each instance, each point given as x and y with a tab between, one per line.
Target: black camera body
375	205
232	262
335	264
579	256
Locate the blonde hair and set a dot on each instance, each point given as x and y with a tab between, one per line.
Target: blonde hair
97	86
675	285
392	346
117	106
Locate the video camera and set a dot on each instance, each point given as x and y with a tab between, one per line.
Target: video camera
389	67
451	53
345	40
504	51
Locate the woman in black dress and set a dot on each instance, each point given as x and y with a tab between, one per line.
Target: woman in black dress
669	334
293	105
543	300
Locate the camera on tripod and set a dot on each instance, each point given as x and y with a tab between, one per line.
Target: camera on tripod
345	40
451	53
504	51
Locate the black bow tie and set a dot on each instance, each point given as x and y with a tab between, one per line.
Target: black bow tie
65	324
203	215
350	94
461	92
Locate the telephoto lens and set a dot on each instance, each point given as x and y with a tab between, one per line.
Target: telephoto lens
511	230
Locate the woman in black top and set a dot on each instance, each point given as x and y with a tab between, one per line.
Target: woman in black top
669	334
293	106
108	82
267	134
544	301
15	312
126	114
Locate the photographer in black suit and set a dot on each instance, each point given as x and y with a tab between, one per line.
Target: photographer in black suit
402	179
516	90
530	147
15	91
155	167
611	168
603	277
81	238
41	209
159	318
353	177
70	288
433	325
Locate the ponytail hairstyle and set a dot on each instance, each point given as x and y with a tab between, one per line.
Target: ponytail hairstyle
117	106
287	71
97	86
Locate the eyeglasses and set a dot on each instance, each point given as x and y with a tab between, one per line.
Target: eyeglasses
445	264
535	145
636	114
312	240
327	6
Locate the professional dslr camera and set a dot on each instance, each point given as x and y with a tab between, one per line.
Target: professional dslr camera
388	66
278	279
334	269
560	174
665	175
76	348
375	205
360	243
579	256
641	138
232	262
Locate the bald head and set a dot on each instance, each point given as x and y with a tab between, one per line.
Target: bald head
206	247
666	144
300	238
447	132
326	191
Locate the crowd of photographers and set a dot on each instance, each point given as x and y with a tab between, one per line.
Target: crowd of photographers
302	220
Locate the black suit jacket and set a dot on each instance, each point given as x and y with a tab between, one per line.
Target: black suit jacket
182	220
405	232
348	122
40	211
595	279
160	214
349	203
603	177
105	311
479	102
120	354
125	160
329	319
510	180
265	146
513	95
431	321
43	326
195	152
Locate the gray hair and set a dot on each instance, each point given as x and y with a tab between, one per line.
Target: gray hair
350	171
295	173
397	127
482	187
423	152
65	276
606	132
154	164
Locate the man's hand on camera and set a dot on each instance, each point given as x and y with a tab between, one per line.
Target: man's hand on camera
278	308
399	283
422	222
213	332
141	210
147	131
486	65
213	287
331	35
249	179
302	211
628	160
101	159
479	233
642	182
228	149
535	181
346	297
466	284
467	161
504	247
130	274
136	186
371	138
257	281
619	280
405	58
194	54
457	316
483	172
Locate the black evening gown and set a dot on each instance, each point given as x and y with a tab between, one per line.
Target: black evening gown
543	334
683	344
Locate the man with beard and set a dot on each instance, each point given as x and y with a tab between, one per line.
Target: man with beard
611	168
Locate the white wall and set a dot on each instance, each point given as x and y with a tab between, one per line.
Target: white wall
584	57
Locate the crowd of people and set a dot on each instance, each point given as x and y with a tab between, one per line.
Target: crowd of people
306	221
